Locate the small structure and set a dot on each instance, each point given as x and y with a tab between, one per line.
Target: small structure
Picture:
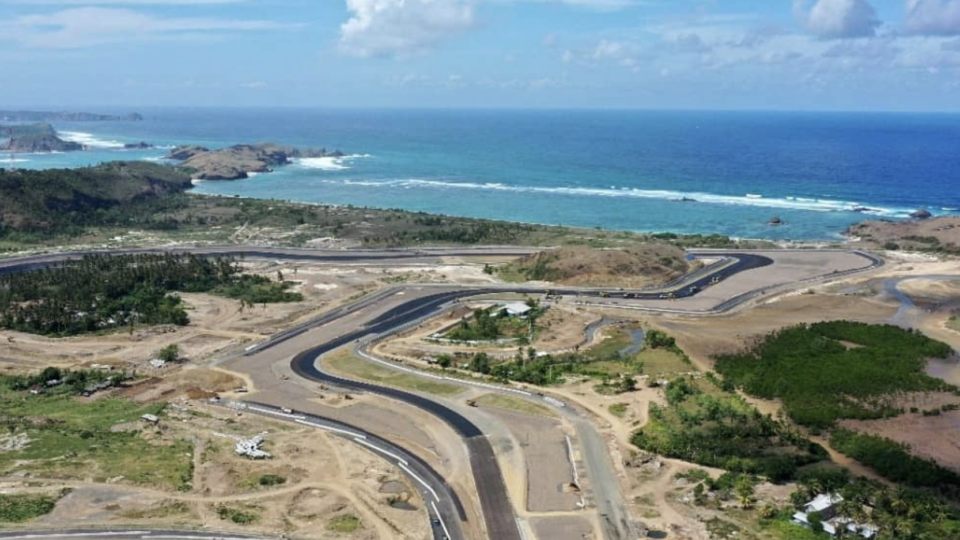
157	363
517	309
150	419
825	506
251	448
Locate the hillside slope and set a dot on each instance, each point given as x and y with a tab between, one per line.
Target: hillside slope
39	200
642	265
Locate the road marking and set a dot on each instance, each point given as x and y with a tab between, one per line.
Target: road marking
446	532
335	430
418	479
573	463
275	413
381	450
554	401
523	534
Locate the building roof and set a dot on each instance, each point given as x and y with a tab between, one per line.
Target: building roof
823	502
516	308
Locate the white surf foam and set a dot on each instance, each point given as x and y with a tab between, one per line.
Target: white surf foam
323	163
330	163
11	159
788	203
88	139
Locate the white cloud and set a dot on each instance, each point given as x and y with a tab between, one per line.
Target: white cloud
933	17
91	26
834	19
253	85
402	27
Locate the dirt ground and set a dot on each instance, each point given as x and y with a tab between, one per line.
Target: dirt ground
906	234
561	329
547	459
217	324
321	479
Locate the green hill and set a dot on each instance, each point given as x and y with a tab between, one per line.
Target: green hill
53	201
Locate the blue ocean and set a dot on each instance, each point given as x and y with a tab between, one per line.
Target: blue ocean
684	172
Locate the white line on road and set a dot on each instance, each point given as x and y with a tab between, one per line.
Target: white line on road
382	451
573	463
329	428
446	532
275	413
422	482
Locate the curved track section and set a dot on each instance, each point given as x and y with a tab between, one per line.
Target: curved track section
492	491
442	503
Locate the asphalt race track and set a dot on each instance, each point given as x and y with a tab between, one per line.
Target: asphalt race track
442	503
497	510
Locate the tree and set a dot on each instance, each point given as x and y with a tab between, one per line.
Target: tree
744	490
626	384
170	353
444	361
480	363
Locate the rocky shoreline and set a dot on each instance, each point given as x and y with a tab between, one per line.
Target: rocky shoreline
35	138
239	161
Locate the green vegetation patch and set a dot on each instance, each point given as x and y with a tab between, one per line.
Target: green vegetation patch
349	364
821	378
954	323
892	460
513	403
103	292
492	324
899	513
705	425
619	409
36	205
69	439
271	480
21	508
240	516
602	362
344	523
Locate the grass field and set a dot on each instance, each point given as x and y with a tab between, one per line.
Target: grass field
512	403
348	364
21	508
619	409
654	362
344	524
62	437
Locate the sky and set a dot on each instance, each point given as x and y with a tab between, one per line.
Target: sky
887	55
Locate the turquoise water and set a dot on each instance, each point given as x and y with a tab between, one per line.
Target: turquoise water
616	170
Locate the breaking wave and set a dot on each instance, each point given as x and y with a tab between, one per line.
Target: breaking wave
88	139
329	163
750	199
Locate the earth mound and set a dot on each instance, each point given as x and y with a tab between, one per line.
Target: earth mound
643	265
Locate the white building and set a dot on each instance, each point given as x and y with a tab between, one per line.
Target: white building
517	309
826	506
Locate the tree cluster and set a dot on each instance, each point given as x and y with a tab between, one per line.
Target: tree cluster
832	370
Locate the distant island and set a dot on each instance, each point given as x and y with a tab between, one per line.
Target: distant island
35	138
238	161
46	116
